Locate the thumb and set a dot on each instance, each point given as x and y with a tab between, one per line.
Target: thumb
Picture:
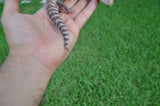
11	6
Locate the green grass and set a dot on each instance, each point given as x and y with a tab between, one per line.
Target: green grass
115	61
3	43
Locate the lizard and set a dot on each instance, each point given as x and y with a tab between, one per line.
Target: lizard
53	8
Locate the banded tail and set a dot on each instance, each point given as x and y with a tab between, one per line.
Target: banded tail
53	7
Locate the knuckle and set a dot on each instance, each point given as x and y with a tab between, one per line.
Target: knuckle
3	18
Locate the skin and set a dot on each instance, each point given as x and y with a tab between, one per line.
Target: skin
36	50
108	2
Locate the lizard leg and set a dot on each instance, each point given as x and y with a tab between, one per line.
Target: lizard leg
62	11
60	3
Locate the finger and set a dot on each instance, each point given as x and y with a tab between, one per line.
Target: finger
86	13
11	6
108	2
70	3
79	7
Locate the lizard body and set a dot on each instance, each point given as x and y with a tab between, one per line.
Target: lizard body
53	7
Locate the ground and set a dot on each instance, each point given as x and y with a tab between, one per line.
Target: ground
115	61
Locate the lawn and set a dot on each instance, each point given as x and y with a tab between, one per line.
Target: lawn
116	60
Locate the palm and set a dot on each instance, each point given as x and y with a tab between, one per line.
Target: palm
36	35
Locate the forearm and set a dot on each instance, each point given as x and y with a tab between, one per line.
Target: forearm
23	81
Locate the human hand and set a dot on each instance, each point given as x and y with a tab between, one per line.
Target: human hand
35	35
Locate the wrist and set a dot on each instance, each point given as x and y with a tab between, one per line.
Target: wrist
22	76
47	59
30	57
26	60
